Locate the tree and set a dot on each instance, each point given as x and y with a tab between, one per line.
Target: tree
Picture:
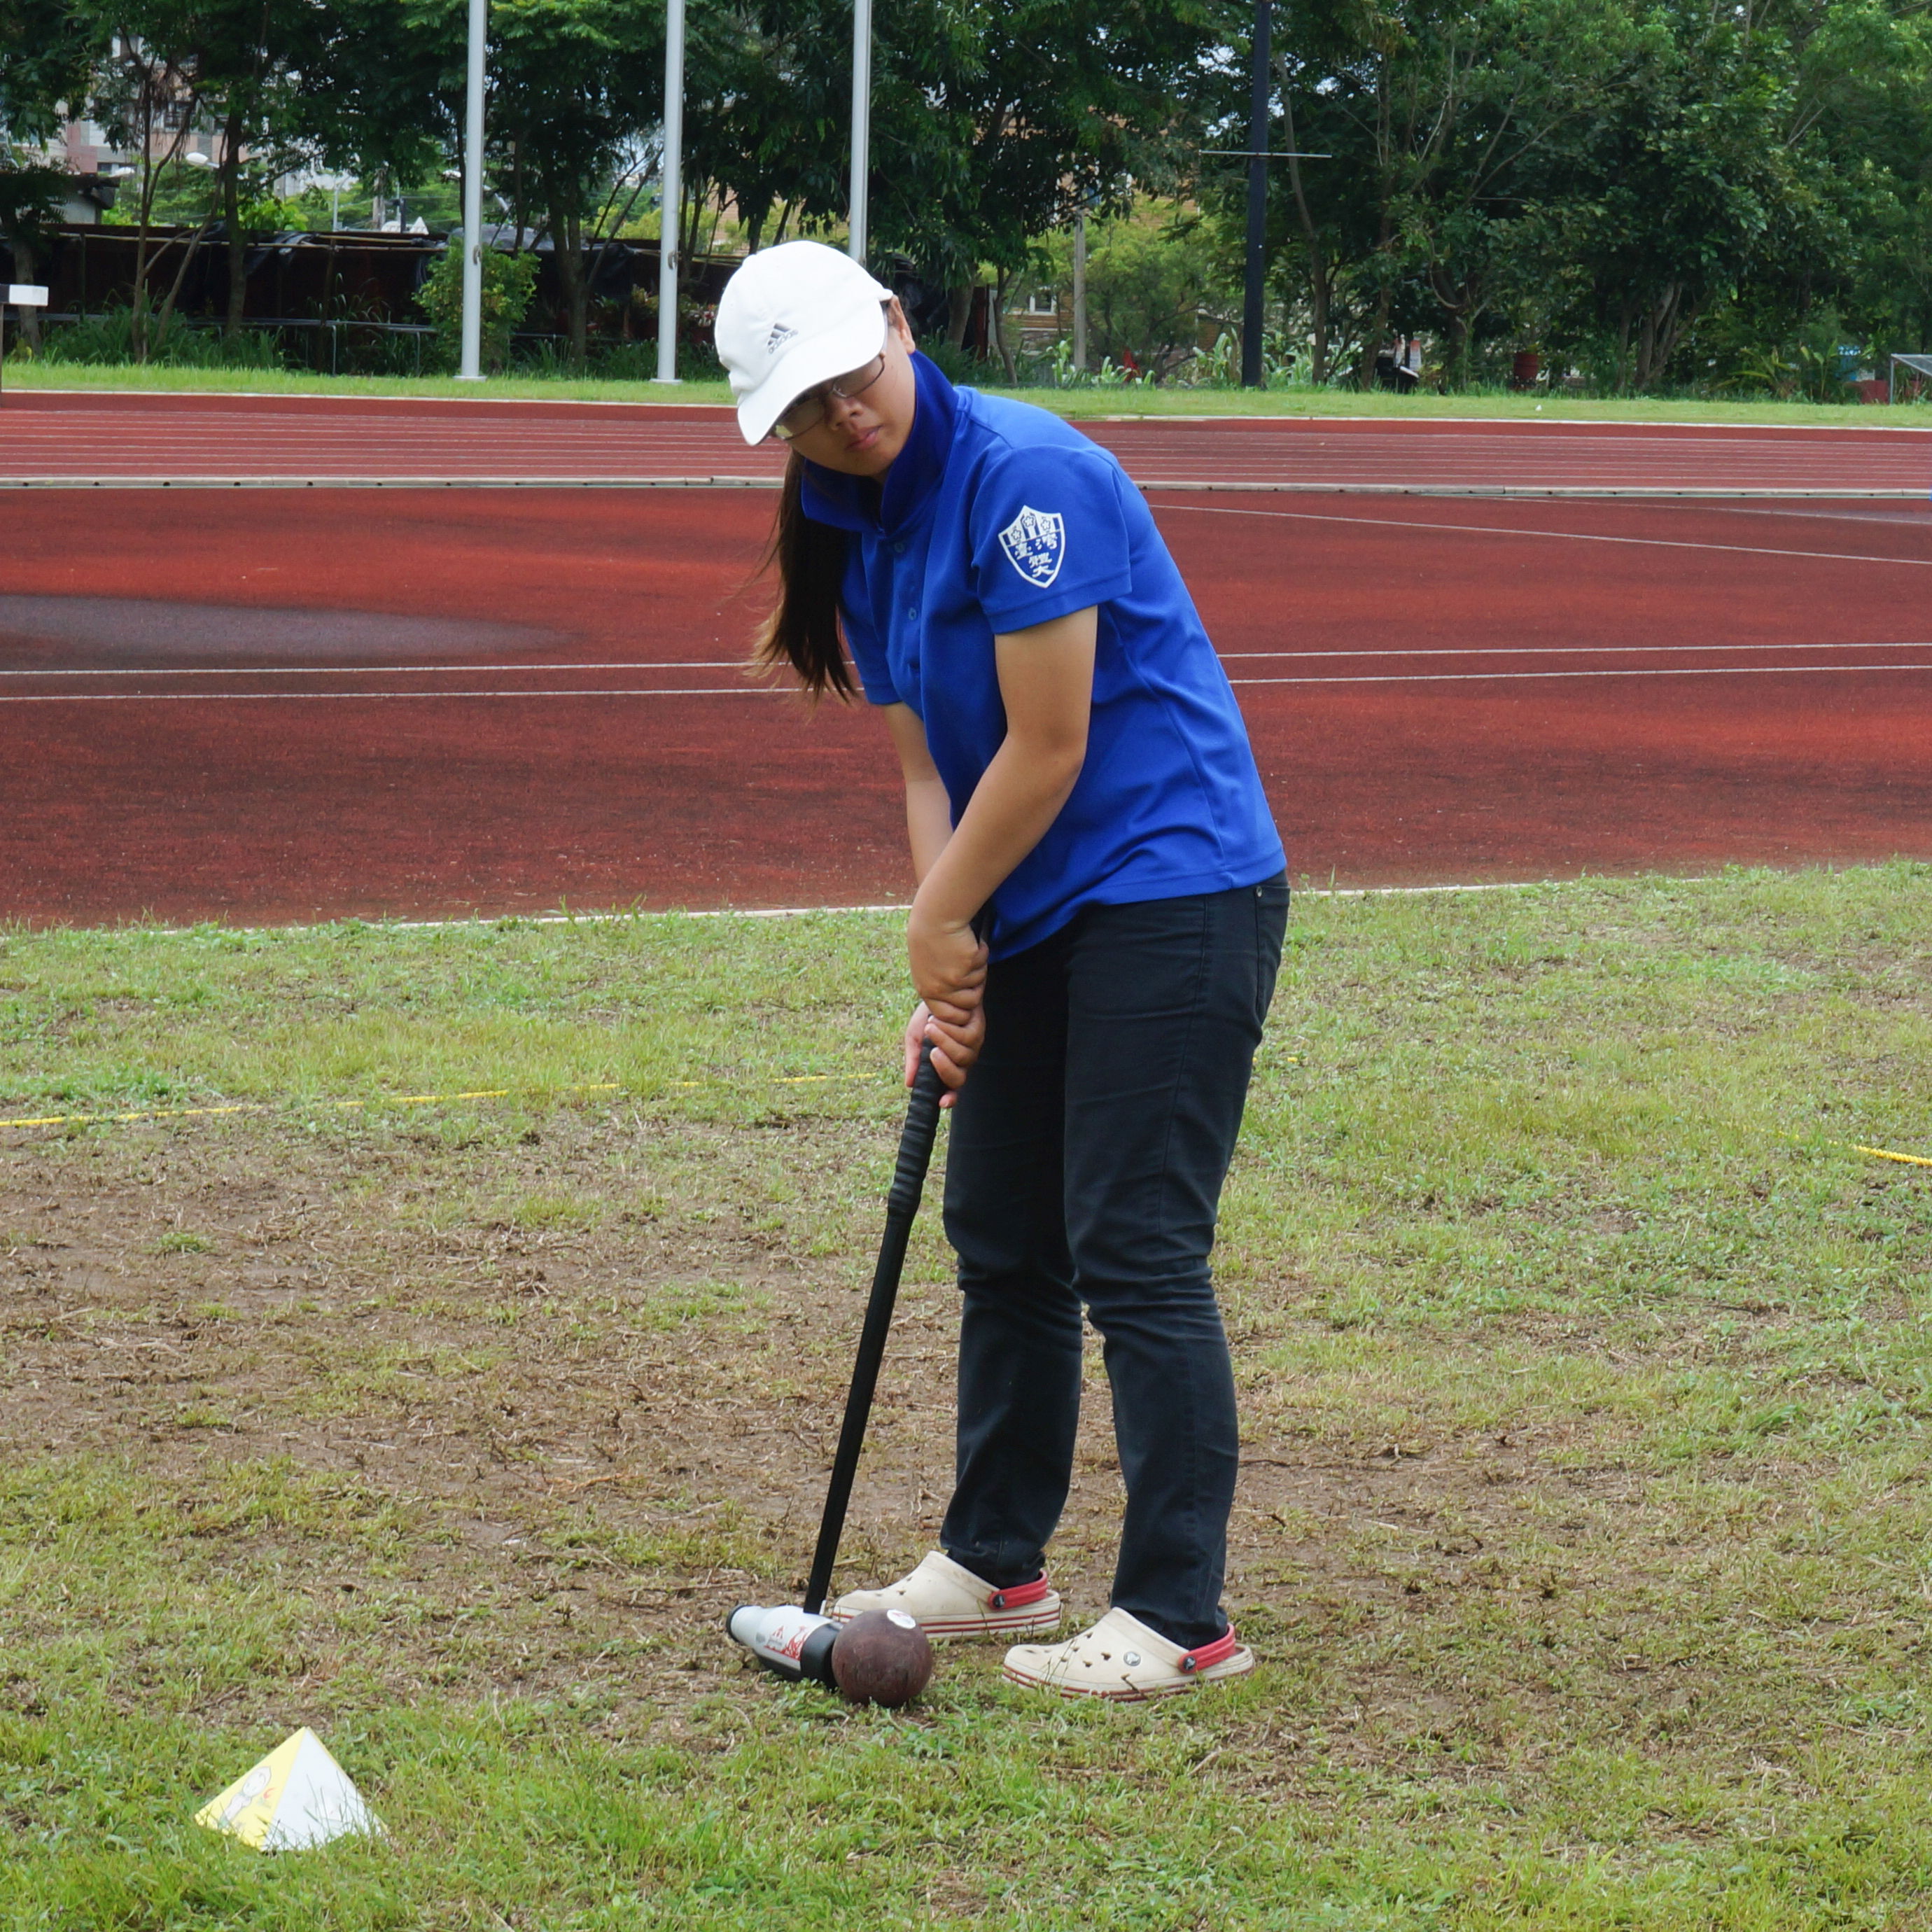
248	54
1070	103
1151	275
147	93
1443	122
990	123
577	82
46	54
380	89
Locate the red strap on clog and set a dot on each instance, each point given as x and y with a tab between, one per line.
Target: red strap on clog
1209	1654
1017	1596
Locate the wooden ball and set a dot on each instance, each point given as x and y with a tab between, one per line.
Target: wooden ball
882	1657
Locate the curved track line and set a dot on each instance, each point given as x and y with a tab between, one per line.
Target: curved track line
1565	536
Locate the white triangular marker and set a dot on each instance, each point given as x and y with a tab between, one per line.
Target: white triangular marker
298	1796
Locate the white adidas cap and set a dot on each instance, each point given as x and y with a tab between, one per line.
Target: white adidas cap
792	317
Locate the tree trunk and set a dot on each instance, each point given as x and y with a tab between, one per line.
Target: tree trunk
1372	343
164	320
566	234
688	251
1646	347
998	300
137	323
1317	303
23	267
1670	319
958	313
231	214
1318	262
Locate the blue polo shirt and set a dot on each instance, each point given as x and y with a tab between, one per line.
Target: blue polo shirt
997	515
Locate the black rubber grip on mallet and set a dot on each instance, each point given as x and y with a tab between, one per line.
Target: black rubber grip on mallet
916	1140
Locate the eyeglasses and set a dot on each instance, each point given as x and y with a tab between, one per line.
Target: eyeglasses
808	412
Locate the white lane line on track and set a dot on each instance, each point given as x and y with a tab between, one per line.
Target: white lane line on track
477	921
1563	536
154	453
77	481
729	690
1698	458
1533	677
1566	651
452	671
1922	522
733	663
348	697
1659	495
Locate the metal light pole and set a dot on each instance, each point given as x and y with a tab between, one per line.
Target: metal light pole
1254	313
862	124
472	367
671	200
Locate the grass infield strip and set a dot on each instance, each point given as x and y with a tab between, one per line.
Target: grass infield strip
1585	1385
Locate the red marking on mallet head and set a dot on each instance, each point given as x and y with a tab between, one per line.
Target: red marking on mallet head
882	1657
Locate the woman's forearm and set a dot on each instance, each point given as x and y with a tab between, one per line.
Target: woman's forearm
928	823
1016	801
1046	684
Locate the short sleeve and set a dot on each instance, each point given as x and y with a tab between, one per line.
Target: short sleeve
1048	536
862	639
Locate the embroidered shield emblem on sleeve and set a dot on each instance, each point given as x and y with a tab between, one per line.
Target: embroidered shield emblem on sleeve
1035	543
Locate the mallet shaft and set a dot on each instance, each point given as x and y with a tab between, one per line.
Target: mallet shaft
916	1140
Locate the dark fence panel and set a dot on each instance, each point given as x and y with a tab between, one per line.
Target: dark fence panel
343	278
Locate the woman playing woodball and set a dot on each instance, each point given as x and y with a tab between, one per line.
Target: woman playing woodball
1094	941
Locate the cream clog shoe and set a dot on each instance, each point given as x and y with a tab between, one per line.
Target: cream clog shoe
948	1601
1120	1657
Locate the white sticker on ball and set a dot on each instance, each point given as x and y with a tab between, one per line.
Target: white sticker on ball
900	1617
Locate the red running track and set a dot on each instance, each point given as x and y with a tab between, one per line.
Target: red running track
51	438
268	706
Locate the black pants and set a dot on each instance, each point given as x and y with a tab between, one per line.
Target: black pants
1086	1154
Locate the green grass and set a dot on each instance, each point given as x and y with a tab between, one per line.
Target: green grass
1075	402
1586	1374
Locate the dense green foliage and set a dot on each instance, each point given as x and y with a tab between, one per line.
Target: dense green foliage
1657	193
1656	189
508	280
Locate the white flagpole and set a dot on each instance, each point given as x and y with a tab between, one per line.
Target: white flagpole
862	123
671	200
472	367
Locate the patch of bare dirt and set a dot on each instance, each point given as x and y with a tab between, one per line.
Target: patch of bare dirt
607	1434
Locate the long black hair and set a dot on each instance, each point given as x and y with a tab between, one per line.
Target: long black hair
803	630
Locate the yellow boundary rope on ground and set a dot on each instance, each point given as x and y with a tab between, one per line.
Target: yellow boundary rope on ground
1886	1153
381	1100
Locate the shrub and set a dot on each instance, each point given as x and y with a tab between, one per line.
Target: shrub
509	283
